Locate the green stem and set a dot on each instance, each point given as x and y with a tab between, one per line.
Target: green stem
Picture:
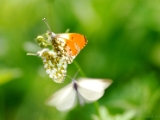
96	105
77	65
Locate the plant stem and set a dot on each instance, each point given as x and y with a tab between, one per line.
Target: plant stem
77	65
96	105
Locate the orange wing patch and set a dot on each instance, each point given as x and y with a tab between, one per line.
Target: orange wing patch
72	47
79	39
74	41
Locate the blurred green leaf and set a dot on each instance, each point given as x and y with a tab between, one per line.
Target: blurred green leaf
9	74
104	114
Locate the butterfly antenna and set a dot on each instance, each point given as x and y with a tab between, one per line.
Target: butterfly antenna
76	74
45	21
73	79
69	77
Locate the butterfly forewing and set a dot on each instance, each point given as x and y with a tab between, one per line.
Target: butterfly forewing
63	99
79	39
92	89
74	41
92	83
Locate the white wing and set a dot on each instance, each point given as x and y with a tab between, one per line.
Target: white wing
92	89
64	99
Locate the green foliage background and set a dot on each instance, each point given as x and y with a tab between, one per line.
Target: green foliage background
123	45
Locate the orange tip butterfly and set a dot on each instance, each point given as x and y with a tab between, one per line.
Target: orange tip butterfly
64	44
85	89
65	47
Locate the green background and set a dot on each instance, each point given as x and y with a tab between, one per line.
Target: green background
123	45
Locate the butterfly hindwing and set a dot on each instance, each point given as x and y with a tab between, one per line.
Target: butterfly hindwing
56	67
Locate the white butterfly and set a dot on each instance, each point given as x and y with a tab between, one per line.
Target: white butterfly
86	89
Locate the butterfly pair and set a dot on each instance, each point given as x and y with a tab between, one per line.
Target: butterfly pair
85	89
64	48
58	51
